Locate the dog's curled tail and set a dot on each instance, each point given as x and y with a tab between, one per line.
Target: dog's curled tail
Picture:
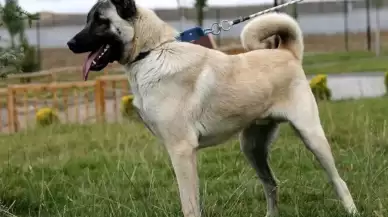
267	25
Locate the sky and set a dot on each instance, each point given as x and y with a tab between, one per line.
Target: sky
82	6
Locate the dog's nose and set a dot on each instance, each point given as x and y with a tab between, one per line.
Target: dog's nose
71	44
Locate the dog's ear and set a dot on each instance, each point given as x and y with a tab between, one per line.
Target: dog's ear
125	8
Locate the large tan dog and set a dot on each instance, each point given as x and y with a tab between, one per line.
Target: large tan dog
191	97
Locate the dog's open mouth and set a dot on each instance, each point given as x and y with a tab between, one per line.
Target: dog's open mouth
97	60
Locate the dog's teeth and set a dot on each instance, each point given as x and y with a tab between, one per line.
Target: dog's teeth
94	62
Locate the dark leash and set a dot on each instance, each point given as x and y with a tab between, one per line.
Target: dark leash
196	33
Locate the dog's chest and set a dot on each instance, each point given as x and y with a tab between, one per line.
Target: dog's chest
145	115
142	106
153	101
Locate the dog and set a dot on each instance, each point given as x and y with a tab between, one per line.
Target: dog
191	97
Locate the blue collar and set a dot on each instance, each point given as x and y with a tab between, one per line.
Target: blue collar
191	35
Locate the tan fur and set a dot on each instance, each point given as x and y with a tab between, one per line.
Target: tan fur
191	97
270	24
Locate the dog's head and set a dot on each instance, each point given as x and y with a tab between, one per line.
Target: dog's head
107	35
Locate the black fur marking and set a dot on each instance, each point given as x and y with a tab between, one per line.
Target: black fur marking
96	10
126	9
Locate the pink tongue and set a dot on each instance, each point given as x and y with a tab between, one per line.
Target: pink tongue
88	62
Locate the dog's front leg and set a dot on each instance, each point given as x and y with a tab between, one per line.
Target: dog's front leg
184	161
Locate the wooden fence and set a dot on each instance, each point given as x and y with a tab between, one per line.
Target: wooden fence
53	75
95	100
79	102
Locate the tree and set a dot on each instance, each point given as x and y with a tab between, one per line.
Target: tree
295	11
14	26
11	58
200	5
275	3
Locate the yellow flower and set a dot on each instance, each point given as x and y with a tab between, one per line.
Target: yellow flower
320	80
127	99
126	105
46	116
319	87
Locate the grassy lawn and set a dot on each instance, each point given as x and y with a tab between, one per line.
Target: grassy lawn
343	62
121	170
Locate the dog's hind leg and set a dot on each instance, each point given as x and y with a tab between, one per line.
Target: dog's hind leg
255	141
303	115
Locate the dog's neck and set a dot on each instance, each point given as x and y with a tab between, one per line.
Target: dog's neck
149	37
140	56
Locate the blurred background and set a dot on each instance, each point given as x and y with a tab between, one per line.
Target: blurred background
77	148
328	25
345	40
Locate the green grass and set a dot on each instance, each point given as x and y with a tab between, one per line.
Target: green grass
337	56
120	170
345	62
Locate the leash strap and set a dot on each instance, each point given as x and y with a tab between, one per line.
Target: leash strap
195	33
226	25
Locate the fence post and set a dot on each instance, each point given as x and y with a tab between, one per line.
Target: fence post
11	107
218	20
125	87
100	99
368	28
53	77
346	24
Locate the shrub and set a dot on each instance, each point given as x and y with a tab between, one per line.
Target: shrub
319	88
126	106
386	82
30	62
46	116
10	61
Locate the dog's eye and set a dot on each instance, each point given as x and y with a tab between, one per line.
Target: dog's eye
100	20
103	21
